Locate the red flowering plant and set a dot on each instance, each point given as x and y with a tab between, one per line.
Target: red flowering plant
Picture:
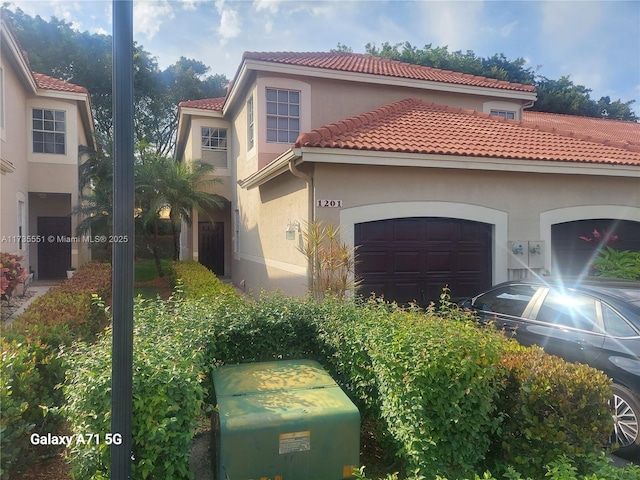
600	240
11	272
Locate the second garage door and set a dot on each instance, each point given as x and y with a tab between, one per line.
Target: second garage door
412	259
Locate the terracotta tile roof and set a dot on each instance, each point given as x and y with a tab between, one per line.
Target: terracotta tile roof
597	128
205	103
49	83
360	63
415	126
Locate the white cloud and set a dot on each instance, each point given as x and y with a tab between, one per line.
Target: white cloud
506	30
148	17
229	24
454	24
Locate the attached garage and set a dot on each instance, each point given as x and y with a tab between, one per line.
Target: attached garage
412	259
572	255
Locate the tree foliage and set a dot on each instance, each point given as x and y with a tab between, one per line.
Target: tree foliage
55	48
554	96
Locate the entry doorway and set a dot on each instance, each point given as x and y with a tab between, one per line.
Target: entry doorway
54	254
211	246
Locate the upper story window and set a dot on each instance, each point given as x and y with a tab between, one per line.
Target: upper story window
49	127
283	115
250	124
504	114
214	146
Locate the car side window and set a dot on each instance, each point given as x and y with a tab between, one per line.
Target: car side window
569	309
508	300
614	324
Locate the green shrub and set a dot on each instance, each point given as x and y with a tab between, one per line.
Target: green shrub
68	312
194	280
552	408
31	365
170	364
30	372
621	264
599	467
273	328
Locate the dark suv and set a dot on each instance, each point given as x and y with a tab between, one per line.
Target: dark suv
595	322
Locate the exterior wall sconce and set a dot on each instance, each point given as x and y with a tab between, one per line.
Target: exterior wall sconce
292	228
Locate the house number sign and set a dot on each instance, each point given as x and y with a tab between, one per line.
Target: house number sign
329	203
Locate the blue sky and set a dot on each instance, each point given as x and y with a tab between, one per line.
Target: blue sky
597	43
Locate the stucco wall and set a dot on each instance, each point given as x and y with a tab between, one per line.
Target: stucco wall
13	149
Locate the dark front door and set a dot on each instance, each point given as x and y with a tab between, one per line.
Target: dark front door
54	252
211	246
412	259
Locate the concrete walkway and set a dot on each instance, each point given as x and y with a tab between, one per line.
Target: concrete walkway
36	289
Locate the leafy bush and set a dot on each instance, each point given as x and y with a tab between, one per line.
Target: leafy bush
273	328
599	467
31	365
30	372
432	382
169	366
68	312
11	273
552	408
622	264
194	280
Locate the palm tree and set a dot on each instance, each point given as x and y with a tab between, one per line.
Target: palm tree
96	190
178	187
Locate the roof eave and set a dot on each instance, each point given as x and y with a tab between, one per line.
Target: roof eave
424	160
272	170
24	71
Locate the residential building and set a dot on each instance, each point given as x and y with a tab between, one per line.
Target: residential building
43	121
438	178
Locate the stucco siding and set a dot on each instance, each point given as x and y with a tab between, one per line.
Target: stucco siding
13	151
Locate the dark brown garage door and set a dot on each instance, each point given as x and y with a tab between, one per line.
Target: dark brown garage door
412	259
572	256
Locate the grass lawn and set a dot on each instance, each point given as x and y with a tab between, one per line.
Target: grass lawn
145	270
146	280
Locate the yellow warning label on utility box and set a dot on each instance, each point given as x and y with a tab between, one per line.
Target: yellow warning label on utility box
294	442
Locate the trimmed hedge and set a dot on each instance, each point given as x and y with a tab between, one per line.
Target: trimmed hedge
31	364
451	398
69	311
551	408
194	280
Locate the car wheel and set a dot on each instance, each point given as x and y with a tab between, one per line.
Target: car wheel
626	415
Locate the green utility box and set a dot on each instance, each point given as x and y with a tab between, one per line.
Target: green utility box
283	420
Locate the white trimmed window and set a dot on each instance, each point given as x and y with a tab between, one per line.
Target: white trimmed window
283	115
214	146
250	124
49	131
504	114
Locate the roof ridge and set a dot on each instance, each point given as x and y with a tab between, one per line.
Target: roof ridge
621	144
616	120
283	56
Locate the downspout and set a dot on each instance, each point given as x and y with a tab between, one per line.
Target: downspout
307	178
310	201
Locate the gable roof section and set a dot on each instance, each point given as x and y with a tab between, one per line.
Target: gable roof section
368	64
214	104
415	126
49	83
